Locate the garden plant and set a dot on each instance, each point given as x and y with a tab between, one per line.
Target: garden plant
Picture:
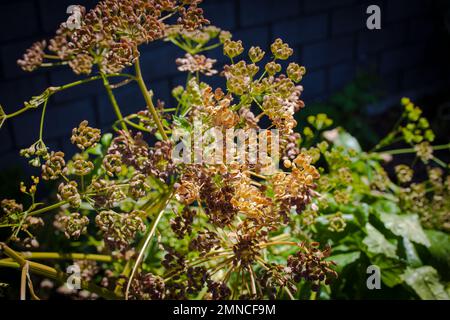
222	195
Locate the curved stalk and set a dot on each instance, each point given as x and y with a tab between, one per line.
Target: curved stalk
148	100
46	271
113	101
147	239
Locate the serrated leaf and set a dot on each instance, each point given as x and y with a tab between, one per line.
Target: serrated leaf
440	246
425	282
411	254
385	206
344	259
407	226
376	243
391	269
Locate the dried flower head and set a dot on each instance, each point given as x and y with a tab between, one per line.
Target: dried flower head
69	192
232	48
119	229
196	63
73	225
54	166
33	57
85	137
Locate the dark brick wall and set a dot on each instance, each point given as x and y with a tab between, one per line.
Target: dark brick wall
330	38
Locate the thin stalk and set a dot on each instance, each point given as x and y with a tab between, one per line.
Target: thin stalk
113	101
52	90
49	208
148	100
49	272
412	150
148	237
41	127
65	256
128	266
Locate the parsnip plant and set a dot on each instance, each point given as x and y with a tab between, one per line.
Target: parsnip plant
218	196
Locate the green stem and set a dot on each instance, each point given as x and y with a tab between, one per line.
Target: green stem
64	256
146	240
114	103
148	100
41	127
53	90
49	272
49	208
148	207
412	150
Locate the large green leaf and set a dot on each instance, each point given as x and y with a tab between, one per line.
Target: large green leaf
425	282
440	246
391	269
344	259
407	226
376	243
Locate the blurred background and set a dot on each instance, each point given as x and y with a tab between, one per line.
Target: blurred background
355	75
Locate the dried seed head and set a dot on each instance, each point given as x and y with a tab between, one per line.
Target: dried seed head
281	50
232	48
33	57
85	137
54	166
69	192
73	225
256	54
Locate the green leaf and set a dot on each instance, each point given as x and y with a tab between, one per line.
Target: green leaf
411	254
344	259
407	226
106	139
182	123
440	246
376	243
385	206
347	141
362	214
425	282
391	269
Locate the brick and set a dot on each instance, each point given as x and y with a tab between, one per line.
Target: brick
401	9
302	30
6	140
314	84
401	59
14	92
349	19
392	36
266	11
9	54
258	36
221	14
423	30
340	75
18	20
64	75
159	62
130	100
328	52
427	75
59	120
315	5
